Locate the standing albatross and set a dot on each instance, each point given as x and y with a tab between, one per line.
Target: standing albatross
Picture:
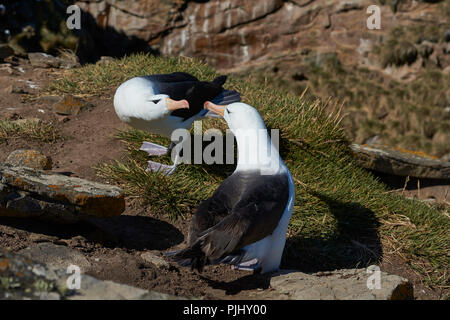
244	222
162	103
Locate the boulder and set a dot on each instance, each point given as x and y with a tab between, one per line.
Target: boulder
44	60
5	51
20	278
70	105
156	260
345	284
29	158
400	162
26	192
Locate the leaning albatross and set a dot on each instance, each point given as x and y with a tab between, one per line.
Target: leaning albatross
161	103
244	222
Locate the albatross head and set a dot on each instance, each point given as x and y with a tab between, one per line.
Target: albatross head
238	115
162	102
255	148
148	108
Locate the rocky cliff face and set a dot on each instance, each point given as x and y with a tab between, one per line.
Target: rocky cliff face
238	33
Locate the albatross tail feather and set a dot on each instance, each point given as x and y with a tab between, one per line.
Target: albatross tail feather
220	80
190	257
227	97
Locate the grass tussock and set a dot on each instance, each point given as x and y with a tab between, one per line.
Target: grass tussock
39	131
343	217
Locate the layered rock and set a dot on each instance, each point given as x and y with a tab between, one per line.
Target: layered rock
238	33
401	162
26	192
24	277
345	284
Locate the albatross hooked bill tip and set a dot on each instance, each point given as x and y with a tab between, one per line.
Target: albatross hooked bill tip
217	109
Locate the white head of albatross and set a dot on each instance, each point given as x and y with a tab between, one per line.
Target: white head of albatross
244	222
255	148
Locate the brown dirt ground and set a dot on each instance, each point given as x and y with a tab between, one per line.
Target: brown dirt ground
114	246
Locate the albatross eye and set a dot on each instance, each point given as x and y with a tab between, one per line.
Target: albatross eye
156	101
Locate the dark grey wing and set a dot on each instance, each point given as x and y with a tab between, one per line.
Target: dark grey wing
208	214
244	209
176	85
253	218
211	211
172	77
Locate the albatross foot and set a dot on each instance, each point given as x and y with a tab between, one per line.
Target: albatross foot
159	167
153	149
251	265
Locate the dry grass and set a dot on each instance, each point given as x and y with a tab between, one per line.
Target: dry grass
40	131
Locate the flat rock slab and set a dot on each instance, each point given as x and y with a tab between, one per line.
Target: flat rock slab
26	192
346	284
24	278
400	162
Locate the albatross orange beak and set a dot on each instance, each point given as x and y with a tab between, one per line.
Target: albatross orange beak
214	108
176	104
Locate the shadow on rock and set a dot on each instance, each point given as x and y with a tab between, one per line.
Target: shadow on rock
248	282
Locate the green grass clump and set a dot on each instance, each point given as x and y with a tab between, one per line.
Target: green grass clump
39	131
343	217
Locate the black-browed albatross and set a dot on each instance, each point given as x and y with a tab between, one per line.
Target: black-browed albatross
161	103
244	222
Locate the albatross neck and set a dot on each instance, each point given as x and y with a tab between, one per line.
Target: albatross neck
256	151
